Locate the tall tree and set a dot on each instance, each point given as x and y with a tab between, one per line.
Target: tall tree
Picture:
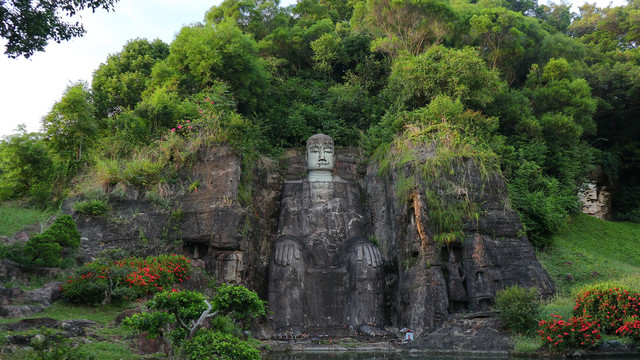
29	25
405	25
119	82
70	124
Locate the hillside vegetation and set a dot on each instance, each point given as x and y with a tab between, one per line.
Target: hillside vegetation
552	94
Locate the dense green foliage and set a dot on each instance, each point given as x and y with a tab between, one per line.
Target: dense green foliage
45	249
518	308
177	317
550	95
28	26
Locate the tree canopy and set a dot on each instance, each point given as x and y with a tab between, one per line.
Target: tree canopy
28	26
552	94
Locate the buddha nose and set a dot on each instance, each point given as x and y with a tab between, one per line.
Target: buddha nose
321	155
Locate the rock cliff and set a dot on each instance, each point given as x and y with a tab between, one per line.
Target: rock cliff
425	280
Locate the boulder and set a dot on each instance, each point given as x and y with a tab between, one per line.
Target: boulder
471	333
45	295
35	323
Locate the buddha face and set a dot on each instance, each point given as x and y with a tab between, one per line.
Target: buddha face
320	154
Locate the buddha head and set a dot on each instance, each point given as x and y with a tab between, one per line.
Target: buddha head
320	153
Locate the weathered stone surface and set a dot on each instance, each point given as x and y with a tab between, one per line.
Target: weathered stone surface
466	334
11	295
323	272
45	295
204	219
35	323
424	282
11	271
77	327
19	311
428	281
595	200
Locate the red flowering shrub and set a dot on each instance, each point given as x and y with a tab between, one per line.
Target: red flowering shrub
105	281
609	307
559	334
630	329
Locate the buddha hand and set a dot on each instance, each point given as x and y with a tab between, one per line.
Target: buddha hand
286	252
369	253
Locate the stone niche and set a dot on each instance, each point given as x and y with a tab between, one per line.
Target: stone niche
228	267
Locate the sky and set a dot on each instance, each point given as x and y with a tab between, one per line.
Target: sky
30	87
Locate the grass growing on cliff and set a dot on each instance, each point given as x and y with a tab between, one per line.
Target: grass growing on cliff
15	217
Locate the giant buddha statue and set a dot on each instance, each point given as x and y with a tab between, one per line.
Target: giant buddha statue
323	271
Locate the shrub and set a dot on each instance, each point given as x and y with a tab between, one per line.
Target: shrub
91	207
630	329
64	231
577	332
104	281
42	250
209	344
518	308
609	307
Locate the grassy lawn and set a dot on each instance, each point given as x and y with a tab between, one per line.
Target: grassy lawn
113	346
15	217
592	251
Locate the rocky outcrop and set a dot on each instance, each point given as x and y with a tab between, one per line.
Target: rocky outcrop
16	303
427	280
199	215
475	332
595	200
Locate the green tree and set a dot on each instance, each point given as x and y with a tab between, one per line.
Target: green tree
119	82
29	25
405	25
557	15
258	18
177	316
459	74
25	164
71	124
508	41
202	55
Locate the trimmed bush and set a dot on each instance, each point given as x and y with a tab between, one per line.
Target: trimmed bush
630	329
518	308
65	232
105	281
42	250
209	344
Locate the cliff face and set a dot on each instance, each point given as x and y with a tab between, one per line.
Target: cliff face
425	280
428	280
199	215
